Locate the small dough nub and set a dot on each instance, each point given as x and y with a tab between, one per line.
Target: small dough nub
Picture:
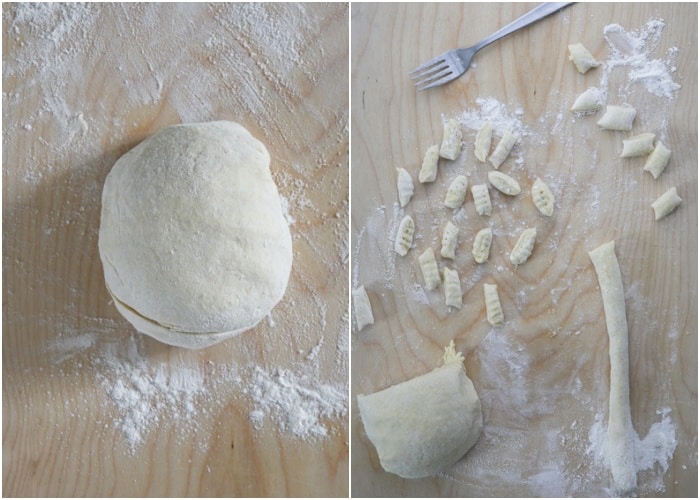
504	183
482	199
404	236
666	203
404	184
429	269
618	118
589	102
638	145
456	192
482	245
451	140
449	240
482	143
657	160
582	58
542	197
523	247
453	289
494	311
363	308
503	148
428	170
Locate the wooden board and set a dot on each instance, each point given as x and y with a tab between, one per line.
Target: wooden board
82	84
543	377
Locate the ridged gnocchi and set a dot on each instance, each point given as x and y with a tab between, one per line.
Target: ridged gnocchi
453	289
502	149
404	236
451	144
363	308
429	269
542	197
449	240
523	247
456	192
482	245
404	184
428	170
482	143
504	183
494	311
482	199
618	118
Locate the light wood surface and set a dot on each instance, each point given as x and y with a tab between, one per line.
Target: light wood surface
543	377
81	86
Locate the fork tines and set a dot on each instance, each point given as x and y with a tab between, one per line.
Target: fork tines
435	72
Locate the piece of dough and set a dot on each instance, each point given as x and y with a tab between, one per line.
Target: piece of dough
590	101
193	239
494	311
582	58
423	426
618	118
482	199
523	247
621	434
482	143
453	288
404	185
657	160
482	245
542	197
363	308
504	183
428	170
639	145
666	203
429	269
502	149
404	236
451	144
456	192
449	240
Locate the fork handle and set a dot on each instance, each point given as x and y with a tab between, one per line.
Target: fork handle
535	14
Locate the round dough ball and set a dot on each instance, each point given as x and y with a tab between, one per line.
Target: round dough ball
193	240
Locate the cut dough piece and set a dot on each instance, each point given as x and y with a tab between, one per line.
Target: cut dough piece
482	245
621	434
363	308
582	58
456	192
482	199
428	171
523	247
638	145
657	160
423	426
429	269
504	183
542	197
453	289
494	312
618	118
404	236
193	239
502	150
482	143
404	184
449	240
451	140
666	203
588	102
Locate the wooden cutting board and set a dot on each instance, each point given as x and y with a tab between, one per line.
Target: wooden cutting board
82	84
543	376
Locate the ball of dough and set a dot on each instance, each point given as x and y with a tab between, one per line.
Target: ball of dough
193	240
424	425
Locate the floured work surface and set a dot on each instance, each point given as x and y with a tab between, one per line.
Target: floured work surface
91	408
543	376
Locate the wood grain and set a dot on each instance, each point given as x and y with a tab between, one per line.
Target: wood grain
82	84
543	377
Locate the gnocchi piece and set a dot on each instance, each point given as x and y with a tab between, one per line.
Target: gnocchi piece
482	199
638	145
404	183
429	269
523	247
542	197
404	236
504	183
657	160
666	203
588	102
482	245
494	311
482	143
363	308
449	240
428	171
582	58
451	140
618	118
456	192
453	289
502	150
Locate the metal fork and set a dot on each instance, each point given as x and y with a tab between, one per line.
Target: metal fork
453	63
